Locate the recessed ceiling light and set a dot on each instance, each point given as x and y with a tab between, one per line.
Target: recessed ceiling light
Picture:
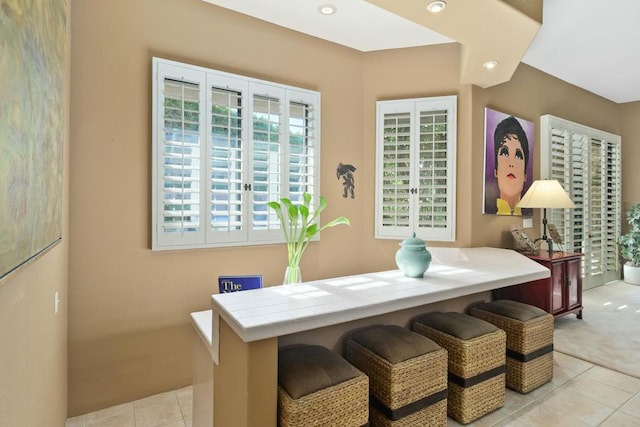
436	6
327	9
490	65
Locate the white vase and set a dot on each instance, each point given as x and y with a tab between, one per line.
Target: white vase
631	274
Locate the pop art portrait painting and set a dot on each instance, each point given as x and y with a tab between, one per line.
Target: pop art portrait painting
508	162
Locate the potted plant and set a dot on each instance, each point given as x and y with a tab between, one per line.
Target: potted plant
630	247
300	227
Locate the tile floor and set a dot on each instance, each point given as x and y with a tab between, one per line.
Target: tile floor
580	394
170	409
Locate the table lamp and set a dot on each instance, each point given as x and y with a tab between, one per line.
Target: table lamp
543	194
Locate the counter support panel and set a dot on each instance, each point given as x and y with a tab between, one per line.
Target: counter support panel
245	386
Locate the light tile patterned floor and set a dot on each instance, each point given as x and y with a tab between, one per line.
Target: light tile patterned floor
580	394
170	409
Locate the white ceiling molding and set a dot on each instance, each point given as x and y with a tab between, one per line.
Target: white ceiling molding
488	30
580	41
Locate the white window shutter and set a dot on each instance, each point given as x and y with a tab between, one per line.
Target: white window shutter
268	158
178	192
587	163
227	159
415	168
303	148
394	171
223	147
285	146
436	170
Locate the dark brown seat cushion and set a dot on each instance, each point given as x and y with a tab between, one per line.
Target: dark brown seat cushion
512	309
394	343
459	325
305	369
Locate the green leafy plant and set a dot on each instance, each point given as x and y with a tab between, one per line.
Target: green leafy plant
300	226
630	242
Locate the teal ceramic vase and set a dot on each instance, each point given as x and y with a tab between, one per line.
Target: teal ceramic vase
413	258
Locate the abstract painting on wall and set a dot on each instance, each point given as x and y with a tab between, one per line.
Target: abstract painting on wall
508	162
32	124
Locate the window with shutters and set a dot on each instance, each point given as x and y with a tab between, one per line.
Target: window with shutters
416	168
224	146
587	162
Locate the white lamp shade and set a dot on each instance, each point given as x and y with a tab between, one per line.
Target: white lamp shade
546	193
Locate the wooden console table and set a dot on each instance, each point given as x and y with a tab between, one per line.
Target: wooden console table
249	326
560	294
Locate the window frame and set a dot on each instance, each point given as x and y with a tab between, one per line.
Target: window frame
416	219
588	164
258	225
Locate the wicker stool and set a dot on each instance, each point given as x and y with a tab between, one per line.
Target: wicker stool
407	376
476	362
529	341
316	387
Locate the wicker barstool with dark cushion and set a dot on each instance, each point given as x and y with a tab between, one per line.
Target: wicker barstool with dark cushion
529	332
476	362
317	387
407	376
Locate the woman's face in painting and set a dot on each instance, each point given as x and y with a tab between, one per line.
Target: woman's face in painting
510	171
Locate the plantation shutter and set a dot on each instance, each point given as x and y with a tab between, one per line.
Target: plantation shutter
415	186
567	162
227	160
395	180
612	206
223	147
267	157
587	163
178	192
303	149
285	160
435	207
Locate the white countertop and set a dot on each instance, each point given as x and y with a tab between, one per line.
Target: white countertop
454	272
202	323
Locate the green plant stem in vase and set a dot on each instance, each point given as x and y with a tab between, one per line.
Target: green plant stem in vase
292	275
300	226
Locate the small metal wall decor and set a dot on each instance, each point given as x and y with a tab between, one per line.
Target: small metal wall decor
346	173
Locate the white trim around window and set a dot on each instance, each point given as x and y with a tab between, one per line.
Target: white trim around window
416	168
224	145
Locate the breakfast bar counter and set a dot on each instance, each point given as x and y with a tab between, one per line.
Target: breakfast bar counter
248	326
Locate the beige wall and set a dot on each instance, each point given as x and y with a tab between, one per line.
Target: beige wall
433	71
129	330
407	73
630	156
529	94
33	340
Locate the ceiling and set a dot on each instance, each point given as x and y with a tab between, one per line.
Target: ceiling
580	41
